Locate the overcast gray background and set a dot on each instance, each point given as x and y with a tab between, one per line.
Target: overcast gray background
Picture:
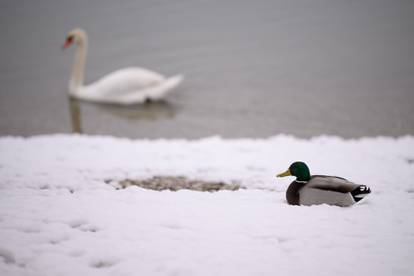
252	68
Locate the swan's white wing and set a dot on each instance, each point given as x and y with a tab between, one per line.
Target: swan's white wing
128	86
152	92
125	81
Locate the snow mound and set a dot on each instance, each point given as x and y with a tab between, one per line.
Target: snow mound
59	216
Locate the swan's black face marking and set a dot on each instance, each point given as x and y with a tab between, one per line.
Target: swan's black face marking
69	40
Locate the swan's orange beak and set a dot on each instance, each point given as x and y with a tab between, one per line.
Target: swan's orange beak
68	42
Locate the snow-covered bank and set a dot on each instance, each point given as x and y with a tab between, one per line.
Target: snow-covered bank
59	217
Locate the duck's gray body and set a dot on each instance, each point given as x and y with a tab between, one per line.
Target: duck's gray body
321	189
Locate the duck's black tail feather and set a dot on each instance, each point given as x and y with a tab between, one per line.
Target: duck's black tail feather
360	192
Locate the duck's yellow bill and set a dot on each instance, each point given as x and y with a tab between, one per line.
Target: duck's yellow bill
286	173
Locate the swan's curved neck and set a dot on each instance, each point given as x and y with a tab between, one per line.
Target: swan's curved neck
78	71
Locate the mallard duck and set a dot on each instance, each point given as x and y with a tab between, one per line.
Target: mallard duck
321	189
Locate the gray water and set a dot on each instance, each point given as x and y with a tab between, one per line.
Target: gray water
252	68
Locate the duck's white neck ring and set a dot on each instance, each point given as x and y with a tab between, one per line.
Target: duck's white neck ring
301	181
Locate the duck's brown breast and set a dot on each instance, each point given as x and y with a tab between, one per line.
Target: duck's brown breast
292	193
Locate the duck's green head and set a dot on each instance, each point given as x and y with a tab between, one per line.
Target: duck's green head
298	169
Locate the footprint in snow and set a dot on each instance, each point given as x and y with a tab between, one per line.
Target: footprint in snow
172	226
59	239
83	225
102	263
7	256
77	253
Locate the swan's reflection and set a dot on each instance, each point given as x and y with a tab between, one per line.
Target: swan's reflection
149	111
75	115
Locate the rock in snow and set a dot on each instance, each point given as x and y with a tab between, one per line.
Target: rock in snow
60	216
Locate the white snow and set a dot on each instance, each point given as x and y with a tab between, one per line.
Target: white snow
59	217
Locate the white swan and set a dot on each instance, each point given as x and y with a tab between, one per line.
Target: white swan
126	86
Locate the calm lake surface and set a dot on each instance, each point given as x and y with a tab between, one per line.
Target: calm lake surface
252	68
